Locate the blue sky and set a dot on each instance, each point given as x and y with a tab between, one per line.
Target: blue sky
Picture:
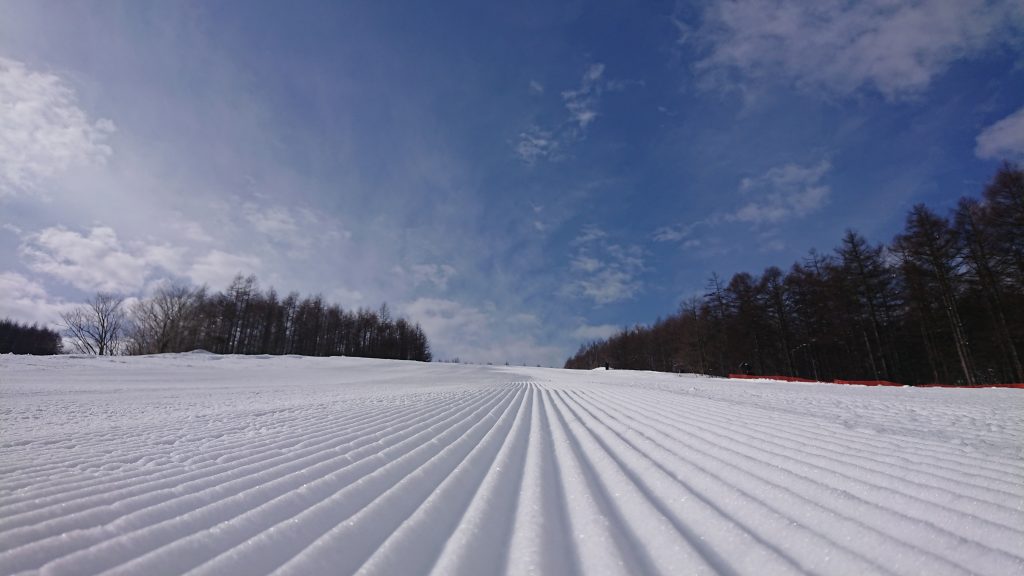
518	177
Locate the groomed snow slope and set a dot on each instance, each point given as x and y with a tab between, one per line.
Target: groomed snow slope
252	465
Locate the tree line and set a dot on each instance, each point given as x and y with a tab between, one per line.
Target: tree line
240	320
18	338
942	303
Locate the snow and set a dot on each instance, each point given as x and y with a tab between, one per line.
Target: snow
289	465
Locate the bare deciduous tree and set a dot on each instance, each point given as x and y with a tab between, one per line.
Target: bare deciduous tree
166	321
98	326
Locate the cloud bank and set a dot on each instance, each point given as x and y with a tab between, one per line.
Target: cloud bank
43	131
896	48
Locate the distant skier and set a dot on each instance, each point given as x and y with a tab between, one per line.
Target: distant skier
746	368
607	366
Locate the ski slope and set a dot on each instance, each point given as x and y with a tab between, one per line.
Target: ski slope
286	465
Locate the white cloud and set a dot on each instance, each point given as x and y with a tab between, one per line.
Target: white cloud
96	261
675	232
840	46
270	220
582	102
670	233
295	229
783	192
447	323
479	334
346	297
586	263
188	229
604	272
593	74
217	268
524	319
436	274
589	234
685	233
14	284
537	143
43	131
536	87
599	332
772	245
25	300
609	285
163	256
447	317
1004	139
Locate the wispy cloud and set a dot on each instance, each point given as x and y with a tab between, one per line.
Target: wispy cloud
604	272
1004	139
479	333
589	234
270	220
839	47
585	263
189	229
43	130
347	297
436	275
582	102
675	232
297	229
783	192
597	332
448	321
536	144
582	105
216	268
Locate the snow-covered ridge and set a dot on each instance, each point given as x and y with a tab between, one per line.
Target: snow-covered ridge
250	465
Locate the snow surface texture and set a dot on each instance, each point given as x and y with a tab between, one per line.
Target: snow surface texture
251	465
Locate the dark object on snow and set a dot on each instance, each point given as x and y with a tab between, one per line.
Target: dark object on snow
746	368
607	366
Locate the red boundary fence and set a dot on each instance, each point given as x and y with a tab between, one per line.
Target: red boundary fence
867	382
